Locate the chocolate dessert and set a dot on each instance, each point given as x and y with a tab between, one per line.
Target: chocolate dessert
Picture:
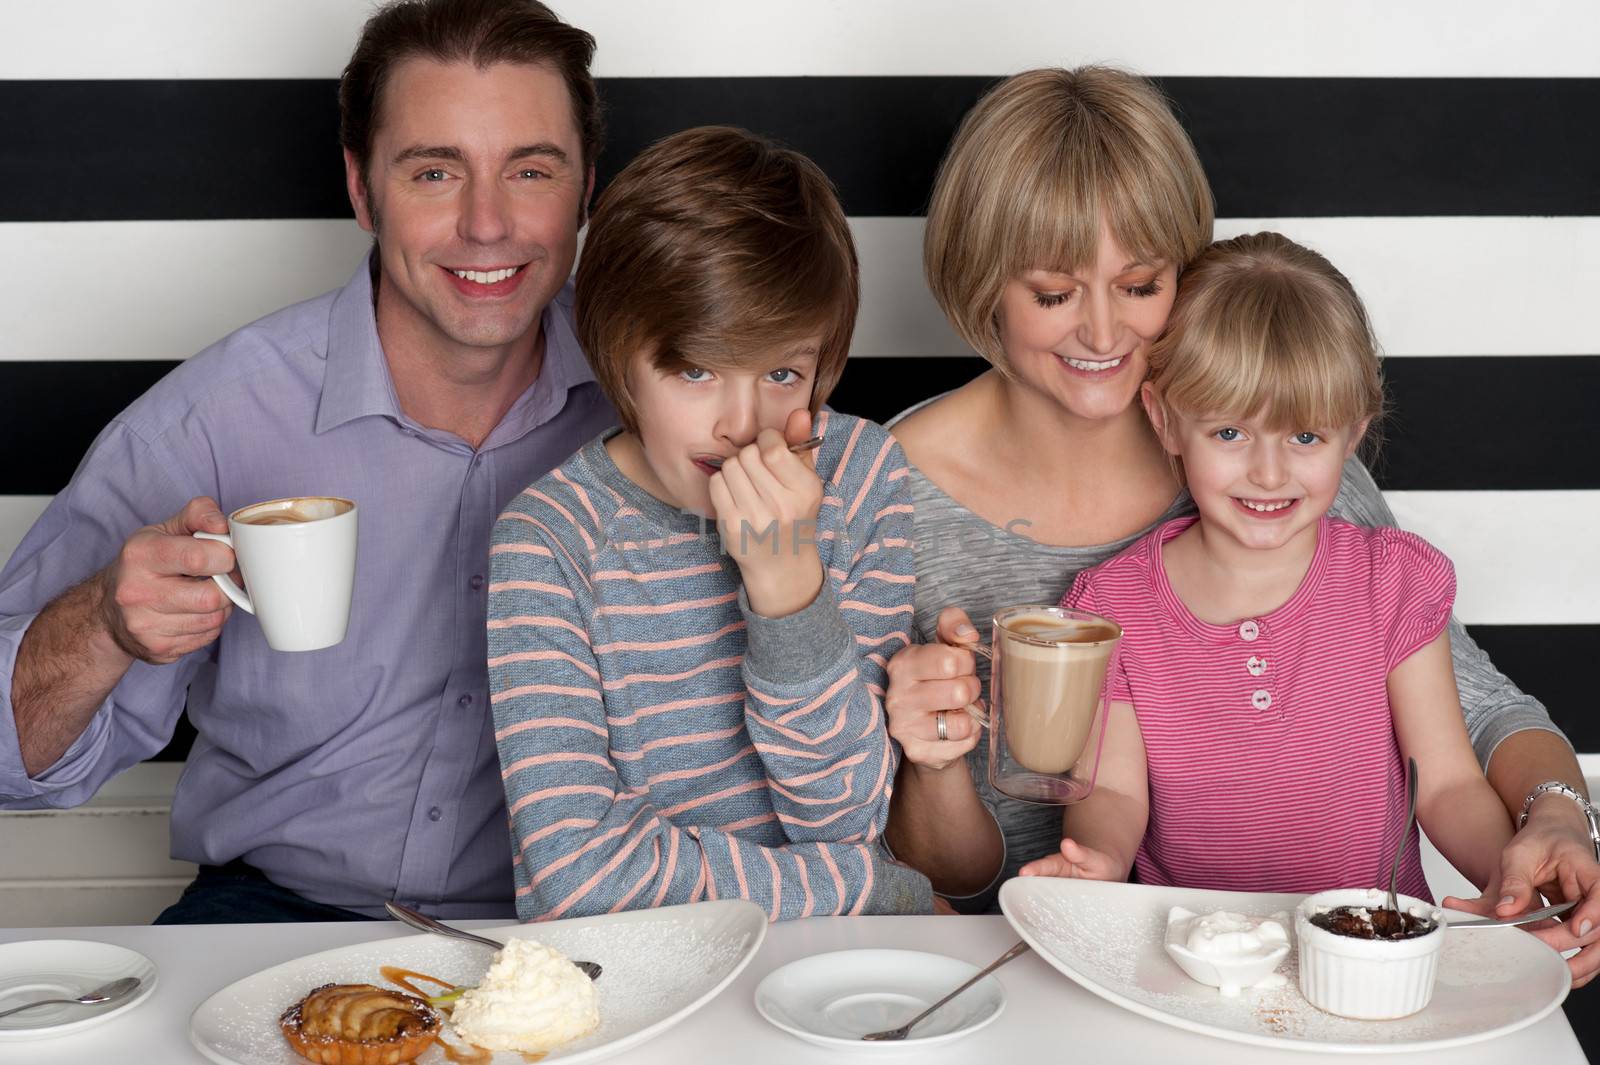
1359	922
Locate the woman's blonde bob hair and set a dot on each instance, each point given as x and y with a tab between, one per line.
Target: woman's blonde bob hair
1263	327
1038	167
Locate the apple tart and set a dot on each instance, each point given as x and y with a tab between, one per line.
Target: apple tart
359	1024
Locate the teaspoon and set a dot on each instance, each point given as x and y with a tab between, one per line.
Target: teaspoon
106	993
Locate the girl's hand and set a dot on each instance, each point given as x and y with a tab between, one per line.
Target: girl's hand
767	499
1075	862
926	680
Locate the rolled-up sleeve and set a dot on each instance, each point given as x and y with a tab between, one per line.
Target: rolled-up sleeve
121	485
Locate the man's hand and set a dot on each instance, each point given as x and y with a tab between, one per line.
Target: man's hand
767	499
1075	862
156	597
926	680
1551	855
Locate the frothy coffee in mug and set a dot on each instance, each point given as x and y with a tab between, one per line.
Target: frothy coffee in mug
1050	673
295	511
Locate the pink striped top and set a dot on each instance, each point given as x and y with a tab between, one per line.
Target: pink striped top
1271	747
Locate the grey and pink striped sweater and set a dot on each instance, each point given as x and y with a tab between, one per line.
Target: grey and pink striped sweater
659	741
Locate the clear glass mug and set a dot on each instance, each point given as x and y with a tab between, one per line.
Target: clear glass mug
1050	672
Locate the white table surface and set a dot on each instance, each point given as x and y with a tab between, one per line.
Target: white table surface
1047	1017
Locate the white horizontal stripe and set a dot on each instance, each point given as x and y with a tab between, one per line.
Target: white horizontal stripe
164	290
17	515
1522	558
678	38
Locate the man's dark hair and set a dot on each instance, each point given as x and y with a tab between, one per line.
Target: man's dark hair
481	32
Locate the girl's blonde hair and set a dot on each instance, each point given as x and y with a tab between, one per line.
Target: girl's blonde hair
1265	327
1037	167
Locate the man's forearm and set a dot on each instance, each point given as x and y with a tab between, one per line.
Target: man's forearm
939	826
66	666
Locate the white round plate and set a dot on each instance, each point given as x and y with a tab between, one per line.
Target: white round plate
65	968
659	967
834	999
1109	938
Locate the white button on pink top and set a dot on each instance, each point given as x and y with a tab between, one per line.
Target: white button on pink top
1248	631
1256	666
1262	699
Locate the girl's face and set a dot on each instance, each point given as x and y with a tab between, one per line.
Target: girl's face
1083	339
691	420
1264	487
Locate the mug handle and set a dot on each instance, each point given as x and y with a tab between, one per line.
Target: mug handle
225	582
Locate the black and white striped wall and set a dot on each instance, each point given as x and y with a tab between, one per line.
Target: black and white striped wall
170	172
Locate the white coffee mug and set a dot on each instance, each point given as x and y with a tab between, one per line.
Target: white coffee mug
298	558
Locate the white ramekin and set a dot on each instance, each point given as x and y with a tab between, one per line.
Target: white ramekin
1367	979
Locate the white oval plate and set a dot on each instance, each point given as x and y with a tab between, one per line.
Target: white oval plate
1109	938
659	967
65	968
834	999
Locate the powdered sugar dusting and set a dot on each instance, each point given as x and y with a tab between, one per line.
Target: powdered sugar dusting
1113	941
652	970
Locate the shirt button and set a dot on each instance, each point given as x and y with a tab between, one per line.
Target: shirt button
1249	631
1256	666
476	582
435	813
1262	699
465	700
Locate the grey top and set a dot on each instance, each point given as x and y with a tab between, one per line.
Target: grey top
963	560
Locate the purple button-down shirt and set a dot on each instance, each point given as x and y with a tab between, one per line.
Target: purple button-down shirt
355	774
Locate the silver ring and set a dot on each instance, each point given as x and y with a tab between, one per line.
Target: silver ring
938	721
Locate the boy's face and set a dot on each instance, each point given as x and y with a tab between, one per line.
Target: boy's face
690	420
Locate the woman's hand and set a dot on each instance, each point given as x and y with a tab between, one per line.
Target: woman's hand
1552	855
1075	862
926	680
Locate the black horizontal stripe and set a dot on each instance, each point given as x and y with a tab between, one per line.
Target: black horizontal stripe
209	149
1539	658
1473	424
1554	664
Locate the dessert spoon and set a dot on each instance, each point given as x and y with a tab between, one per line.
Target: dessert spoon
1521	918
106	993
423	923
1405	835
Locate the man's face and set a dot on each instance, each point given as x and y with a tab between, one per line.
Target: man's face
476	181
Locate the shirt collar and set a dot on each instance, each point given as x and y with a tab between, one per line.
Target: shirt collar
356	381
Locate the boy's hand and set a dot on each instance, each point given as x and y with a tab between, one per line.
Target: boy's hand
1075	862
767	499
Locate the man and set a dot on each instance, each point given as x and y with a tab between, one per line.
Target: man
442	379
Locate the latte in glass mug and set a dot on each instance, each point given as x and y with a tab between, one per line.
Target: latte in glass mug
1051	672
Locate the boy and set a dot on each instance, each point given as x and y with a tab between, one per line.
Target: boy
684	714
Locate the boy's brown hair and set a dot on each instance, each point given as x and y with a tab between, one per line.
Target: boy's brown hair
714	247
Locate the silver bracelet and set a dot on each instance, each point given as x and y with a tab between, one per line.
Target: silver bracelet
1556	787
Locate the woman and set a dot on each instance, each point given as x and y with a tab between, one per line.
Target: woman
1059	220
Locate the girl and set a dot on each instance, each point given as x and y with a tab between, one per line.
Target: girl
1278	665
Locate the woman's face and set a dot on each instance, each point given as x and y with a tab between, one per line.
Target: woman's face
1083	339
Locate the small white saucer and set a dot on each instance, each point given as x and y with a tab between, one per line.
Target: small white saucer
834	999
65	968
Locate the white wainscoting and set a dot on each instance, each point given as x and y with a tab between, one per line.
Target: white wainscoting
105	863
